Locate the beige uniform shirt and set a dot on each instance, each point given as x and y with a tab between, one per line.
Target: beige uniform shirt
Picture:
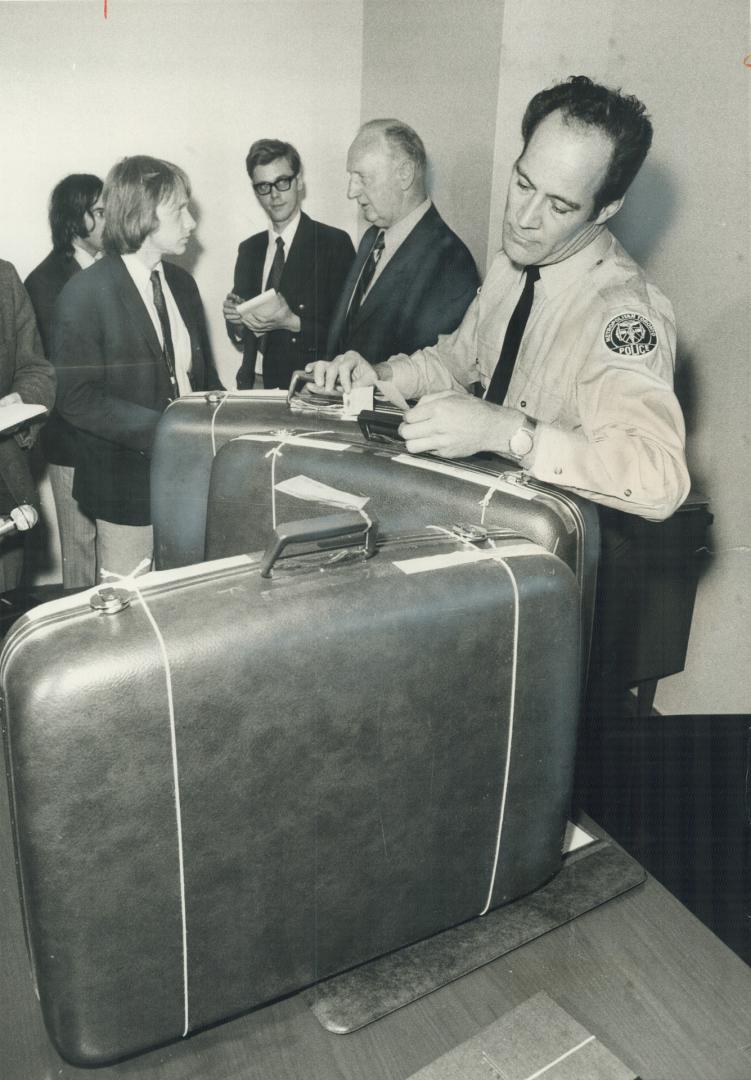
595	369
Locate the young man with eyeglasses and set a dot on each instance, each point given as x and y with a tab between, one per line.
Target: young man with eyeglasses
304	260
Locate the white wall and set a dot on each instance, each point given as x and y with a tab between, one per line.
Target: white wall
435	66
193	82
190	82
686	219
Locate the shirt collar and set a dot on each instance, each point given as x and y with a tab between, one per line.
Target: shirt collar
83	257
287	234
558	276
139	271
397	233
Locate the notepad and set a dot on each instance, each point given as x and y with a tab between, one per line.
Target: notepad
263	304
13	417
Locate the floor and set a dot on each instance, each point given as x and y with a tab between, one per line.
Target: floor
673	790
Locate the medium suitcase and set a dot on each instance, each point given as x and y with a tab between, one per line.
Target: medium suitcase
188	435
226	786
193	430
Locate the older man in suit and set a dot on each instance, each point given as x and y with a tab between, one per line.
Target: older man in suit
304	260
24	374
77	226
413	278
129	336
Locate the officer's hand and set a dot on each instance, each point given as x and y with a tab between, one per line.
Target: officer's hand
229	308
350	369
455	425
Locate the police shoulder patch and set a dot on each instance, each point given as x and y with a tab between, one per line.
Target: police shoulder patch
630	334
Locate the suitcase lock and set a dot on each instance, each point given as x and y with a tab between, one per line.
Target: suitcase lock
470	534
109	601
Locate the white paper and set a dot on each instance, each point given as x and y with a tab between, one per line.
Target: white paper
427	563
575	838
263	304
484	480
304	487
358	398
288	439
13	416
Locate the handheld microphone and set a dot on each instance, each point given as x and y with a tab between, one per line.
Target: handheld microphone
21	519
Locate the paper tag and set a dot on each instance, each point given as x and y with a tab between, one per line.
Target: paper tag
461	557
485	480
294	440
303	487
359	398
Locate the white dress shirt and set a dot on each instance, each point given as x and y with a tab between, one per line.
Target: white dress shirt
594	368
141	276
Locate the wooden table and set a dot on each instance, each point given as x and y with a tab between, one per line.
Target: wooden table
640	972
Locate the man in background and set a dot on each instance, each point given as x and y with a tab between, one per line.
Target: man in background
25	375
76	217
304	260
413	278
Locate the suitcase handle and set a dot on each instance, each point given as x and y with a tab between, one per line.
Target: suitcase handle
349	525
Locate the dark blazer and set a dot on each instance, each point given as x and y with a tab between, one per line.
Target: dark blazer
113	383
23	370
422	292
44	284
314	270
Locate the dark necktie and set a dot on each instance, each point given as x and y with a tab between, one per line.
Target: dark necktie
366	276
275	273
273	281
504	369
168	349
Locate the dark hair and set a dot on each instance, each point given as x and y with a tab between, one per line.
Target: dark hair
132	191
623	118
401	139
71	200
264	151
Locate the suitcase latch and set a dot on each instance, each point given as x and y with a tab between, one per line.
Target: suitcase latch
110	600
471	534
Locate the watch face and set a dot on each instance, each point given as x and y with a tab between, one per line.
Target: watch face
521	442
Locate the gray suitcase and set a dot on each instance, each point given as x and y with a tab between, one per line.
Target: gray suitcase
299	772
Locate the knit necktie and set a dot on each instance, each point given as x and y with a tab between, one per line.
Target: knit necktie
504	369
168	349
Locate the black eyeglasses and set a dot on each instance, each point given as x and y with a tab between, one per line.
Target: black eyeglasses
282	183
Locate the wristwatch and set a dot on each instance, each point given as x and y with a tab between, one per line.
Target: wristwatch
523	439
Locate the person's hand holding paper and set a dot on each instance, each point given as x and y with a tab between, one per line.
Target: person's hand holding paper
268	311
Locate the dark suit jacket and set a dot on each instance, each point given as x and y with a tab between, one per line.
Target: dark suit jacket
422	292
44	284
113	383
314	270
23	370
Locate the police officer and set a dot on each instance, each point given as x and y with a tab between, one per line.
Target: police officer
573	346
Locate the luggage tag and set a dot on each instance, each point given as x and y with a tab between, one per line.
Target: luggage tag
304	487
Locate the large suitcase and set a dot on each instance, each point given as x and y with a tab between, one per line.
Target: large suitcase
226	786
405	490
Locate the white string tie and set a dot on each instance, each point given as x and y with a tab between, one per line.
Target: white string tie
512	707
485	500
213	422
275	452
130	580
